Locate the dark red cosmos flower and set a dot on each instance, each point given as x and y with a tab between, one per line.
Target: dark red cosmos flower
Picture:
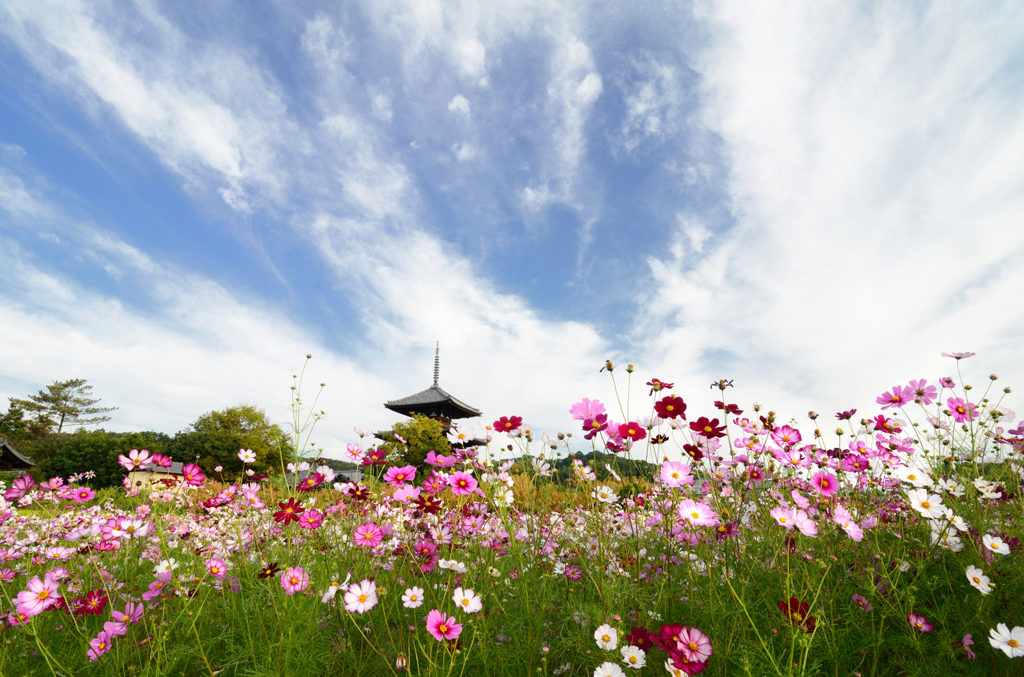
798	614
671	406
640	638
92	604
728	408
659	439
681	662
507	424
428	503
268	571
709	429
311	482
290	511
359	492
846	415
658	385
693	451
595	425
633	431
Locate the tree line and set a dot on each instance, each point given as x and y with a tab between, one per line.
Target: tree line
52	428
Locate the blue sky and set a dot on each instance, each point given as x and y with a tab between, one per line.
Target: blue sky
813	199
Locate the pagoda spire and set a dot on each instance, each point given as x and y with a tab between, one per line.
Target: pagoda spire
437	361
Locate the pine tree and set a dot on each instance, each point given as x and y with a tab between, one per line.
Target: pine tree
63	404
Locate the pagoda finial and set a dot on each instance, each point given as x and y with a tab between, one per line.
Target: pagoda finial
437	361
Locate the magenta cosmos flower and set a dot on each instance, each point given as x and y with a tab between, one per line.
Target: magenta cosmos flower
695	645
919	622
397	477
924	393
462	483
311	519
99	645
193	475
369	535
442	628
217	567
825	483
962	410
83	495
897	397
294	580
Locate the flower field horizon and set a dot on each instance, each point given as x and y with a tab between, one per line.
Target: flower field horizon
706	537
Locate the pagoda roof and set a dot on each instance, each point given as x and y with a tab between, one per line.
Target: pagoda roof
433	402
10	458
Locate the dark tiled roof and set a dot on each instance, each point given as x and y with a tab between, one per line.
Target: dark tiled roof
433	401
10	457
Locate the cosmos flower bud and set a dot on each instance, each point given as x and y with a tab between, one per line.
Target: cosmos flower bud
629	368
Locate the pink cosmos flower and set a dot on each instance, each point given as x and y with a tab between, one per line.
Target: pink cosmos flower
361	597
825	483
462	483
369	535
442	628
695	645
784	517
844	519
697	514
958	356
406	494
923	393
439	460
962	410
217	567
675	474
919	622
586	408
294	580
156	588
99	645
311	519
136	460
40	596
397	477
193	475
19	487
896	398
805	524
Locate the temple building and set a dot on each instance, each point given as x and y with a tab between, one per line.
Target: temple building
434	402
10	459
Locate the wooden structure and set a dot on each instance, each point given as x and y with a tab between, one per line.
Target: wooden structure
434	402
10	459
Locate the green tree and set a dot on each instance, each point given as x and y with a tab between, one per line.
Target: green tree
63	403
97	450
216	436
12	424
422	434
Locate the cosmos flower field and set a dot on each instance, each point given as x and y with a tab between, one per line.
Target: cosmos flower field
883	540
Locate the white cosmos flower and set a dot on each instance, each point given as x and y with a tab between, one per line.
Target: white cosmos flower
609	670
467	600
412	598
977	578
929	505
247	455
633	657
604	494
607	637
996	544
169	564
914	475
1010	642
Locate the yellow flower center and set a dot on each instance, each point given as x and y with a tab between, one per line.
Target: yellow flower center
606	638
362	598
443	628
926	505
1013	643
465	602
695	515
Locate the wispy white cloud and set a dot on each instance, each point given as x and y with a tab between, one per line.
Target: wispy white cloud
865	243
